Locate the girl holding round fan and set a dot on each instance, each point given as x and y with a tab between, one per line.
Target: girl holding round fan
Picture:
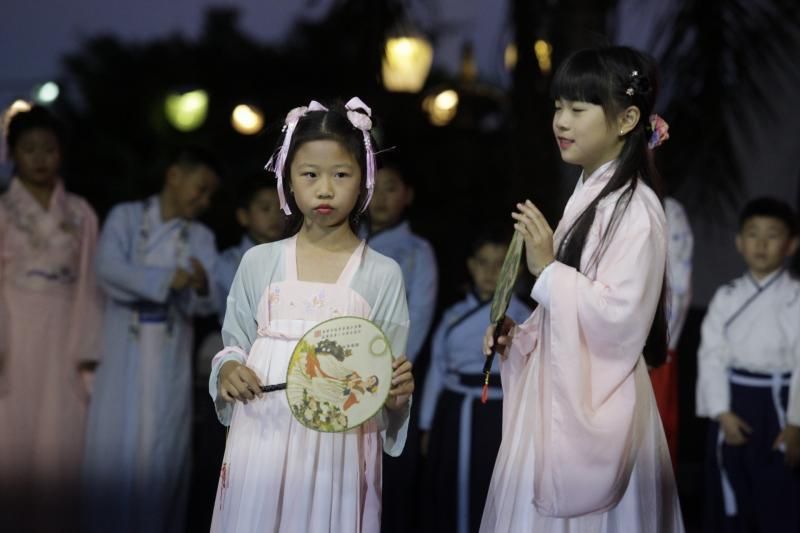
277	474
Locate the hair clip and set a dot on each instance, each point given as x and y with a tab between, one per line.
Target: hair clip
659	131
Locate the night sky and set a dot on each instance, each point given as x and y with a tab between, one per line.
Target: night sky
35	34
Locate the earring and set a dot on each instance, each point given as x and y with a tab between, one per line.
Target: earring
621	132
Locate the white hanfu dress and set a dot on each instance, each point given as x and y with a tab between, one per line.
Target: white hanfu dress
277	475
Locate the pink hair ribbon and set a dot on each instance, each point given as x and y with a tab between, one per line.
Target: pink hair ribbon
277	164
360	116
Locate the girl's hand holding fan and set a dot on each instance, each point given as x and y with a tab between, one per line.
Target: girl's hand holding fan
238	382
402	383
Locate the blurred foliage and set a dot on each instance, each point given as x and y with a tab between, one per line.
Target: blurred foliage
723	60
467	175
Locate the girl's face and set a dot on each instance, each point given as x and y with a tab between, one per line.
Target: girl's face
584	135
326	181
37	156
263	217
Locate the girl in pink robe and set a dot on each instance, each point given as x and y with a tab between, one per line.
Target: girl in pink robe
583	449
278	475
50	311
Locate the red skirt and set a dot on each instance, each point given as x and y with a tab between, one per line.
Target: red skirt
665	387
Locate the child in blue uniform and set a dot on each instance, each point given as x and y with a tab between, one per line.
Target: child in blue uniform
460	436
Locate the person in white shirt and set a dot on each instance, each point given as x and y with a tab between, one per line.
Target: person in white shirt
749	375
680	248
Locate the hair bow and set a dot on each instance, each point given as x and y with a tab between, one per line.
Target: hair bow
360	116
277	164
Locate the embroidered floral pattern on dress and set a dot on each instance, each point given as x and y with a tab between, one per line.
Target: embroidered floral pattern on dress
47	242
318	300
274	295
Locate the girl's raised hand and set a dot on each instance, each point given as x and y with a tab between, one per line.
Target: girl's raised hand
238	382
402	383
538	235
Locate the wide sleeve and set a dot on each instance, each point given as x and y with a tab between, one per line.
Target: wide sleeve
434	380
524	339
204	249
118	275
390	313
87	305
239	328
224	272
680	249
713	359
793	412
596	328
422	291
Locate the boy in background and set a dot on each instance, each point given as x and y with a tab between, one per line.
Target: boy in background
749	376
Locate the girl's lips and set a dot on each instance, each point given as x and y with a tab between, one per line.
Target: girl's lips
564	143
324	209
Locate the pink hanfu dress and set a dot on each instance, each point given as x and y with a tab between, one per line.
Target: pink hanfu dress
583	449
277	475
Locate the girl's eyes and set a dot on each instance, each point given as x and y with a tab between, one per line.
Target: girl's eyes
310	174
559	107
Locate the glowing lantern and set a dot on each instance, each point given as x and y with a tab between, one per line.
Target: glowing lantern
542	49
510	56
47	93
247	119
187	111
406	63
544	52
441	107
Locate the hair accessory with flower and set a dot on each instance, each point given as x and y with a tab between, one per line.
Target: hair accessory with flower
360	116
659	131
277	162
630	91
638	84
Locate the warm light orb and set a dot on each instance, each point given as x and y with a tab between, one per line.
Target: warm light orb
542	49
47	93
510	56
187	111
544	52
16	107
441	107
406	63
247	119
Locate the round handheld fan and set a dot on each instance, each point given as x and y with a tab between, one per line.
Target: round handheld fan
339	374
